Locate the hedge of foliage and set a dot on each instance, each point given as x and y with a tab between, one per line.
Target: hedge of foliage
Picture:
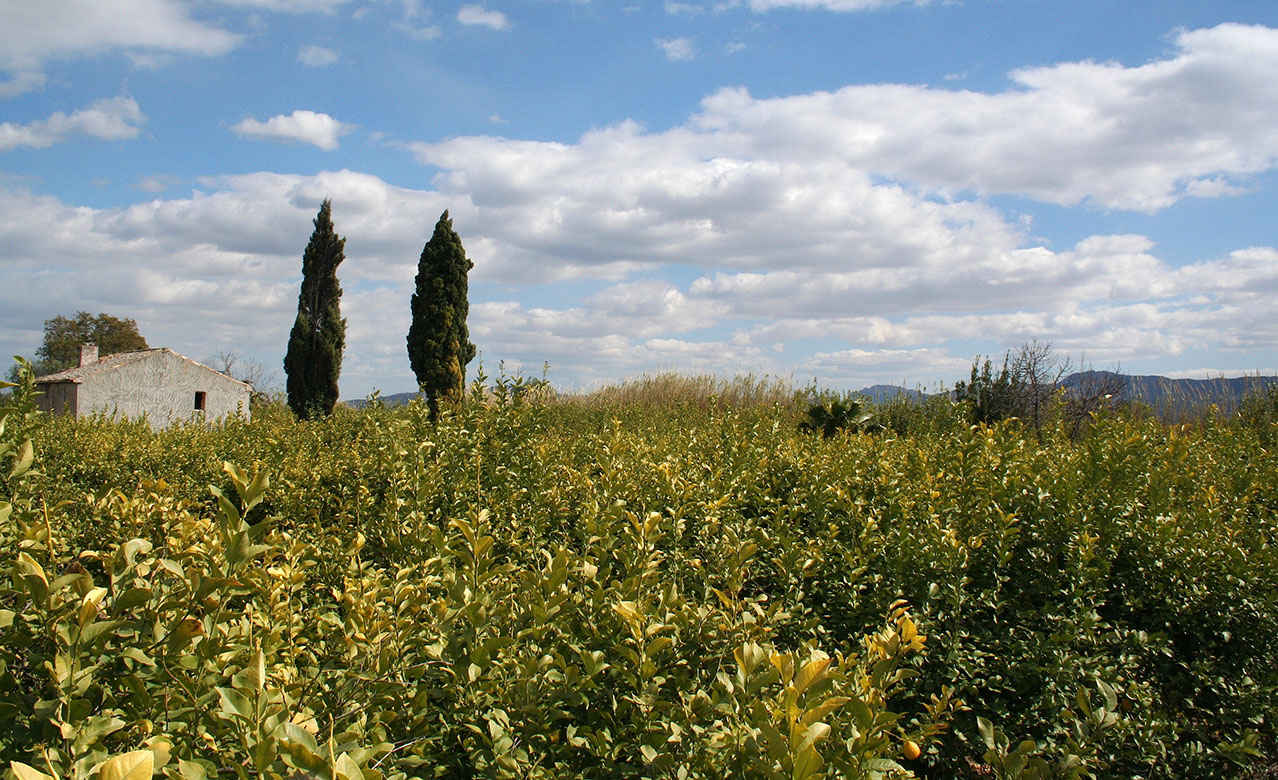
529	590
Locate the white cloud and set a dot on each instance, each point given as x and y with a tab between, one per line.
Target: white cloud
109	119
426	33
33	32
479	15
763	6
316	56
674	8
857	368
157	183
677	49
1123	137
220	269
837	232
306	127
621	198
21	81
289	6
831	5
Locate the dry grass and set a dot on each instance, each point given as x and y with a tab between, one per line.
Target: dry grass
702	391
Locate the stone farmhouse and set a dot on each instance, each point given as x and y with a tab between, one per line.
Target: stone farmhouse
158	383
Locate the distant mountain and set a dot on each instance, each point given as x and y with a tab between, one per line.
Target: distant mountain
882	393
398	399
1165	394
1160	392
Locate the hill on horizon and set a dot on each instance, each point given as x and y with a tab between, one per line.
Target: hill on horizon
1160	392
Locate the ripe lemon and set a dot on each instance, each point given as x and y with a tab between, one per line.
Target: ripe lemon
912	750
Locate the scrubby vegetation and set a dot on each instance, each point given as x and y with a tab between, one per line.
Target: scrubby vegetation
621	588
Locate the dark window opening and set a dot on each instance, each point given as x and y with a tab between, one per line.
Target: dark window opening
199	400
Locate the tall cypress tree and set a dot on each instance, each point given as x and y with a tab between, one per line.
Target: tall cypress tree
438	340
314	358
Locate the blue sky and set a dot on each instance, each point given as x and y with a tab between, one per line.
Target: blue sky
859	191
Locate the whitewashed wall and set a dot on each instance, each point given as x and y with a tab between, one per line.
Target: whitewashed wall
163	387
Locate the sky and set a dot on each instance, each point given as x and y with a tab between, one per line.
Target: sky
848	191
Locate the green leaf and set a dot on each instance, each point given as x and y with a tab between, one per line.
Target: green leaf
987	731
130	599
1111	698
657	645
863	714
256	490
33	577
137	655
807	762
297	735
883	765
814	734
92	632
25	457
236	704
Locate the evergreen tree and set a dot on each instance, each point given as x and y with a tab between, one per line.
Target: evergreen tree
438	340
993	395
314	359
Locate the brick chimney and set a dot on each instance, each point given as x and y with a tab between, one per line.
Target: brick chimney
88	354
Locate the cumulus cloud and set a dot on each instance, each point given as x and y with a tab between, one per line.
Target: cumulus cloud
21	81
109	119
220	269
316	56
843	233
479	15
831	5
763	6
290	6
33	33
306	127
677	49
1137	137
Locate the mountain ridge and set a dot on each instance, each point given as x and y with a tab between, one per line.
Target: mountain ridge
1154	389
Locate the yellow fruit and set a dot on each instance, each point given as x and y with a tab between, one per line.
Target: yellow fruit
912	750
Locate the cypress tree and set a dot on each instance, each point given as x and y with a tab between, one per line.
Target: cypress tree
314	359
438	340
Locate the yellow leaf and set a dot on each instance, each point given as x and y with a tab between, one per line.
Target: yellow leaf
24	772
628	611
812	671
90	604
138	765
346	768
161	749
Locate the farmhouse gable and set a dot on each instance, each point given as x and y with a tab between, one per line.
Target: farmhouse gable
158	383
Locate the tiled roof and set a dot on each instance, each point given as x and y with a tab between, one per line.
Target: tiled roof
77	374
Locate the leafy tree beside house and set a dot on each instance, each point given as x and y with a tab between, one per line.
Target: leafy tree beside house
63	337
439	344
313	362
